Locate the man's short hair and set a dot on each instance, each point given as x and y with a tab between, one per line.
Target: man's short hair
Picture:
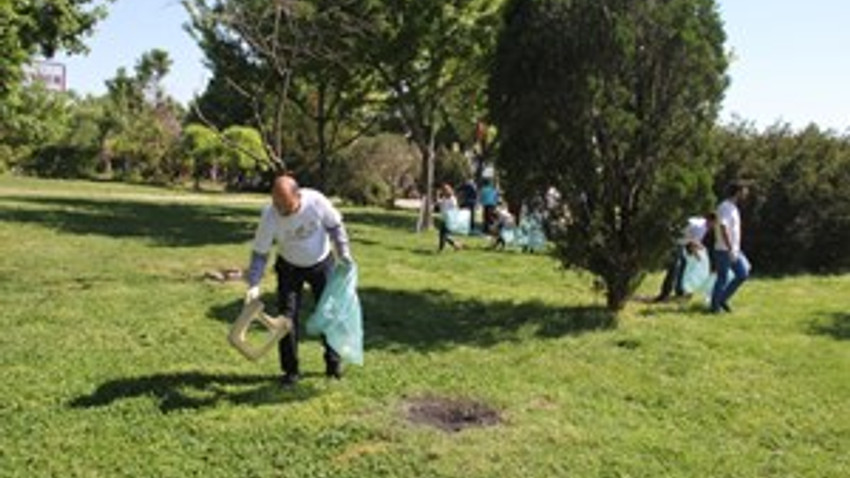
735	187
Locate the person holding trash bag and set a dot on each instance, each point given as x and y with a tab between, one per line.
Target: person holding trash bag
697	234
446	205
302	222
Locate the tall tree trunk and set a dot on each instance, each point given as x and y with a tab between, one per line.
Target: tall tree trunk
426	216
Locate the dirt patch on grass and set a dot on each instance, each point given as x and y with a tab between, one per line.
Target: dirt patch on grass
451	414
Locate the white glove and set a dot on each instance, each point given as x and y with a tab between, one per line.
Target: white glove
253	293
734	256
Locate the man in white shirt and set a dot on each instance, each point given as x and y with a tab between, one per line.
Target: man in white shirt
727	249
302	223
696	235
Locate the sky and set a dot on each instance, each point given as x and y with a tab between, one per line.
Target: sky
790	59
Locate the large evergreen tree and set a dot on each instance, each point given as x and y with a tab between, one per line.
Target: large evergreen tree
611	102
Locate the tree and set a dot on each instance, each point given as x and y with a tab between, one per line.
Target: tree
31	118
44	27
798	217
142	125
201	147
376	169
240	148
611	102
256	50
431	55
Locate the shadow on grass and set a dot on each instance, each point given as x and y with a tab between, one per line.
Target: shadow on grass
680	307
401	220
195	390
836	325
166	224
435	319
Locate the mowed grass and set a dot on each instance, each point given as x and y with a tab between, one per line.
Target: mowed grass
115	362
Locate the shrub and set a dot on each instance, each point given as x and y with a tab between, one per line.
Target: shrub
375	170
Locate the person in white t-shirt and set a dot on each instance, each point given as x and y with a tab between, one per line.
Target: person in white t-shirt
446	201
302	223
727	249
697	234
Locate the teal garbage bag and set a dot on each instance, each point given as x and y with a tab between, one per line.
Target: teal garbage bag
509	235
457	221
338	315
697	276
533	235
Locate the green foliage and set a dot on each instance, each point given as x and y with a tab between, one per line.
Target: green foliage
29	28
375	170
200	148
431	62
452	167
143	383
798	217
142	126
273	58
32	118
244	156
612	103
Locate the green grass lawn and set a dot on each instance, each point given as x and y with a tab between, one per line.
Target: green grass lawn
115	360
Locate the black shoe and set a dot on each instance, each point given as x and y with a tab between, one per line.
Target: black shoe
726	307
289	380
333	371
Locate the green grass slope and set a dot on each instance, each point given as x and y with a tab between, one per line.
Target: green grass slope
115	360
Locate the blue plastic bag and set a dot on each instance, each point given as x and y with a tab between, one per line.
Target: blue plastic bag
457	221
697	276
338	315
532	232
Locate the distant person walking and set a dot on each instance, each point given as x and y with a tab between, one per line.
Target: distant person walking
727	249
489	197
446	203
469	200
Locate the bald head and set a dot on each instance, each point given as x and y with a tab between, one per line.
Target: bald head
285	195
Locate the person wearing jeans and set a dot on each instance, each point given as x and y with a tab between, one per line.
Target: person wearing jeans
725	262
727	249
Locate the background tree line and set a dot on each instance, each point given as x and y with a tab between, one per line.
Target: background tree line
613	102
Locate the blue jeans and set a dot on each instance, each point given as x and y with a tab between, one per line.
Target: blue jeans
723	288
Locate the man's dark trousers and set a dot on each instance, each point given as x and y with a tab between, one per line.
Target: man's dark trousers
675	274
290	287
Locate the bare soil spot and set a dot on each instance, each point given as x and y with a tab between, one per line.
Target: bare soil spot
451	415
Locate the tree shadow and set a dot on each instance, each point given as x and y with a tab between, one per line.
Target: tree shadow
673	307
166	224
195	390
400	220
835	325
437	319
